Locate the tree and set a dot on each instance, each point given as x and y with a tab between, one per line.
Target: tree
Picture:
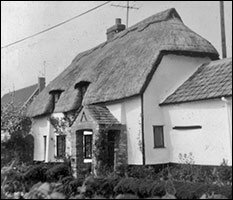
18	125
14	119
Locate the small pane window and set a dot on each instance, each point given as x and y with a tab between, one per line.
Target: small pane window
158	137
82	88
56	97
45	146
61	146
87	146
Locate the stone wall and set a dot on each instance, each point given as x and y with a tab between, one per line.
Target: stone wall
77	160
99	148
121	149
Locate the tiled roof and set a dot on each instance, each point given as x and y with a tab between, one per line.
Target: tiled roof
102	115
19	97
211	80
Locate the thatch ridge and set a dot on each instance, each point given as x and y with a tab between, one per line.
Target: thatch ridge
119	68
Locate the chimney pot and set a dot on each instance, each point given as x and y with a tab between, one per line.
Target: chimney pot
41	83
118	27
118	21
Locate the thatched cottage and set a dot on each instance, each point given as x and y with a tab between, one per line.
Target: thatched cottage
112	95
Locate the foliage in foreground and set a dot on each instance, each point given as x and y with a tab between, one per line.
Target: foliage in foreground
56	180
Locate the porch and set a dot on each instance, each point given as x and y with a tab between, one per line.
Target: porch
99	141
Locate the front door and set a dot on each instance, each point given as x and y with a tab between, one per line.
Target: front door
111	149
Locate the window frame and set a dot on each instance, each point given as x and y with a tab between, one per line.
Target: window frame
162	135
56	94
82	88
85	150
45	146
63	146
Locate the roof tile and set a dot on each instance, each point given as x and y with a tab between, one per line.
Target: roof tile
18	97
211	80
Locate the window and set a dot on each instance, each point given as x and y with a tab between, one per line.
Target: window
45	146
87	145
61	146
158	137
82	87
55	97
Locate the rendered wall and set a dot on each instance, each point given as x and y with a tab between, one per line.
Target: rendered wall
210	144
128	113
170	74
40	128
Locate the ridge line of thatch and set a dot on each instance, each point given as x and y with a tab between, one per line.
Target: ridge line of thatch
88	52
130	29
122	34
200	37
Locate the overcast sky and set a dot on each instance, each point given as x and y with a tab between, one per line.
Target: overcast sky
21	64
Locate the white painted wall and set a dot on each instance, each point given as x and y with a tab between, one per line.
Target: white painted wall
41	127
209	145
128	112
170	74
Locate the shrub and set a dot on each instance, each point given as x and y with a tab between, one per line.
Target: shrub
127	185
224	174
221	175
146	188
142	172
106	189
140	187
99	186
92	185
36	173
58	172
69	185
190	190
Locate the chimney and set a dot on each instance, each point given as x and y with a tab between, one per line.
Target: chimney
41	83
112	31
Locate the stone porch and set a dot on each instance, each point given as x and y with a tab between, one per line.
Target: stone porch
109	141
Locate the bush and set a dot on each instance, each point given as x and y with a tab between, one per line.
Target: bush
69	185
221	175
145	172
127	185
106	189
36	173
58	172
99	186
185	190
140	187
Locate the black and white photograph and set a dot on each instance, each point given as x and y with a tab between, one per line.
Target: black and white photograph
116	99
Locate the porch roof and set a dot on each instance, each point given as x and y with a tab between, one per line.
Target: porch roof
91	115
101	114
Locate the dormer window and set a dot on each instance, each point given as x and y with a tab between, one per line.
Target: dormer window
82	87
55	96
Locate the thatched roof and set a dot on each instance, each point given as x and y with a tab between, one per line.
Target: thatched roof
120	67
211	80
